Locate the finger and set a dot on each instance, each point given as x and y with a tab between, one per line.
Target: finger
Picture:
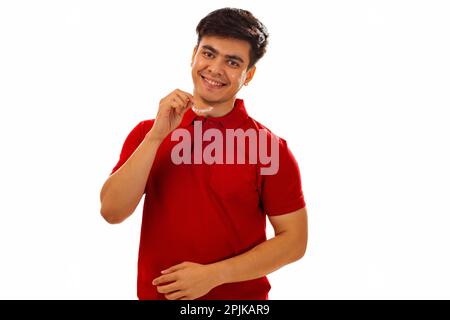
181	100
165	278
177	295
186	94
177	103
187	102
174	268
169	99
187	98
174	286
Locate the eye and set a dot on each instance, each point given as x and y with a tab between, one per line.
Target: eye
233	63
208	54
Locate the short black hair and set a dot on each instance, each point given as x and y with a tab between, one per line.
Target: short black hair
238	24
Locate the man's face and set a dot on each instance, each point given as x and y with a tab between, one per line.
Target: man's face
219	68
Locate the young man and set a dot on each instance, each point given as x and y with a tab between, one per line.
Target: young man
206	200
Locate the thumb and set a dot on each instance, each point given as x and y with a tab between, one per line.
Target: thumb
189	103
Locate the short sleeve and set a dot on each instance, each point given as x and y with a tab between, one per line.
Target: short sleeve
133	140
282	192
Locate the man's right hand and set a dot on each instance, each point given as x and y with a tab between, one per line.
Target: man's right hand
170	113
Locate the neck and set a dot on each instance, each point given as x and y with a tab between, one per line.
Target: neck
219	109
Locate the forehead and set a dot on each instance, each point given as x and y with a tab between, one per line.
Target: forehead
227	46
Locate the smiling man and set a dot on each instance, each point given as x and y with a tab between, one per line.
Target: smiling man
203	226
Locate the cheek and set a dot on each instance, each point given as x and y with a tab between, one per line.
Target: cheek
237	79
195	76
196	66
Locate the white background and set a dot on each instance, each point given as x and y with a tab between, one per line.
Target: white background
359	89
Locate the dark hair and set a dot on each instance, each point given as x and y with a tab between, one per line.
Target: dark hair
238	24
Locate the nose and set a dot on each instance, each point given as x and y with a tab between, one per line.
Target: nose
215	68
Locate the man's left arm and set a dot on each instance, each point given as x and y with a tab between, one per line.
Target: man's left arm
288	245
192	280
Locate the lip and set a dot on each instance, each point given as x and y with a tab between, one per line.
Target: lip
211	86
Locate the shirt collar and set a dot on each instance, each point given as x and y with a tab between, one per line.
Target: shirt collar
231	120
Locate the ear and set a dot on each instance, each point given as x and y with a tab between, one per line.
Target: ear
193	55
250	74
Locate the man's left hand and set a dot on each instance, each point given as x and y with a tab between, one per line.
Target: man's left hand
187	281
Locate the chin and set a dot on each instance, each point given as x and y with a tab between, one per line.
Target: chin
206	96
212	99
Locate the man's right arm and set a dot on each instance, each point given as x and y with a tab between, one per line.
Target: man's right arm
123	190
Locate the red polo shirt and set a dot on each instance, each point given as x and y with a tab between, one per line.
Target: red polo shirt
206	213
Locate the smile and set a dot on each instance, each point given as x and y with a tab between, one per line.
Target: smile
212	83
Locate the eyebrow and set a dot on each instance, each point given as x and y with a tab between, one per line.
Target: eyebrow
233	57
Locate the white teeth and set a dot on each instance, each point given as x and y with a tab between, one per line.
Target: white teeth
214	83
